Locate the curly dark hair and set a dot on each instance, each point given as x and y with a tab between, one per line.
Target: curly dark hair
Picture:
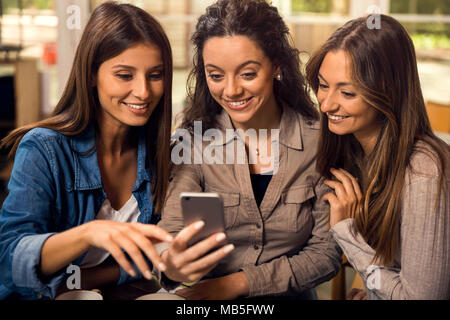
260	22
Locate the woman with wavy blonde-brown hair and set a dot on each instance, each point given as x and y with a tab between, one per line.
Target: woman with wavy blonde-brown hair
390	210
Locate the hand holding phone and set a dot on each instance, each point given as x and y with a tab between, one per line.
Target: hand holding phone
201	245
206	207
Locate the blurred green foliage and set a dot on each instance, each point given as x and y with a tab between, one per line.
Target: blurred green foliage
430	41
420	6
424	35
320	6
37	4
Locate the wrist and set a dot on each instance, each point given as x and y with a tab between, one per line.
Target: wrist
240	284
86	230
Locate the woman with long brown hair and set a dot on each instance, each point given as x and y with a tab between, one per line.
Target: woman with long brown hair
246	77
89	181
390	210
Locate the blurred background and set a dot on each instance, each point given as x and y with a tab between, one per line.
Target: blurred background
38	39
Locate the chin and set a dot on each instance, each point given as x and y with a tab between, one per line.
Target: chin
339	132
136	122
240	117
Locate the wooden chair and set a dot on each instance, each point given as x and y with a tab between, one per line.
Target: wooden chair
338	283
439	115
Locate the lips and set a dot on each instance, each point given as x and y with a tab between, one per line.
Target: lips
136	106
239	104
138	109
336	117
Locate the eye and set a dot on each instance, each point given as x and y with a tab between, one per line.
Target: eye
249	75
348	94
124	76
156	76
323	86
215	76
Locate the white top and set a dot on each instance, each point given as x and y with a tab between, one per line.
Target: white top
128	213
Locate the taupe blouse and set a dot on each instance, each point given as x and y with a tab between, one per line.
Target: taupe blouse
284	246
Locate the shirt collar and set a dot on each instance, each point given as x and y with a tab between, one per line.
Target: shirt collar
87	171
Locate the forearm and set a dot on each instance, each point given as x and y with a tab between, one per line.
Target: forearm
291	275
240	284
61	249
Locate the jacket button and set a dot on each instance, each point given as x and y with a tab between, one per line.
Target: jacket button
309	123
258	226
256	247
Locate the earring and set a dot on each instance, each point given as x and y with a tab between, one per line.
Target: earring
279	77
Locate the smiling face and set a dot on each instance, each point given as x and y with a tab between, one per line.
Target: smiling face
130	85
342	102
240	78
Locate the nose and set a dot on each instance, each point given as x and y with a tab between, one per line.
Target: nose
141	88
328	102
232	88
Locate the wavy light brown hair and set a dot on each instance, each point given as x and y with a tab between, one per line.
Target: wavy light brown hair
260	22
112	29
384	68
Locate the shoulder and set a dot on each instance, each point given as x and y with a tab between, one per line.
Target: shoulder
425	161
40	138
41	134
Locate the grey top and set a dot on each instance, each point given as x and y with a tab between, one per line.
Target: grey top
422	265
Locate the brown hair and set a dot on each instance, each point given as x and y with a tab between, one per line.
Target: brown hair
384	68
249	18
112	29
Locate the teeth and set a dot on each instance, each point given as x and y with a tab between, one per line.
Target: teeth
336	117
237	104
136	106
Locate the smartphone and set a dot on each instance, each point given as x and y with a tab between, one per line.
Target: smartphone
207	207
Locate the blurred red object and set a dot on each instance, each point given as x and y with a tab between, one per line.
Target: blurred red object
49	53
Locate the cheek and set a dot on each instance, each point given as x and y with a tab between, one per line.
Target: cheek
214	89
158	89
320	97
372	116
109	89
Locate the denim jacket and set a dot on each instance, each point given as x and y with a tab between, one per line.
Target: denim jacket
55	185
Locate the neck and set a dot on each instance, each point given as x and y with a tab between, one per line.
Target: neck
367	142
114	138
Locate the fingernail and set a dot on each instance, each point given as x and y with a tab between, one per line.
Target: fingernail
148	275
169	238
228	248
162	267
221	237
132	273
199	225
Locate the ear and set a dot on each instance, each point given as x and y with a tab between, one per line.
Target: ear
93	80
276	70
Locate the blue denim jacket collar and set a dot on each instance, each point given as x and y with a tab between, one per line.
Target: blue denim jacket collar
87	171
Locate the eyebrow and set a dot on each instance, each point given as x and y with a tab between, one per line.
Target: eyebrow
124	66
239	67
340	84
